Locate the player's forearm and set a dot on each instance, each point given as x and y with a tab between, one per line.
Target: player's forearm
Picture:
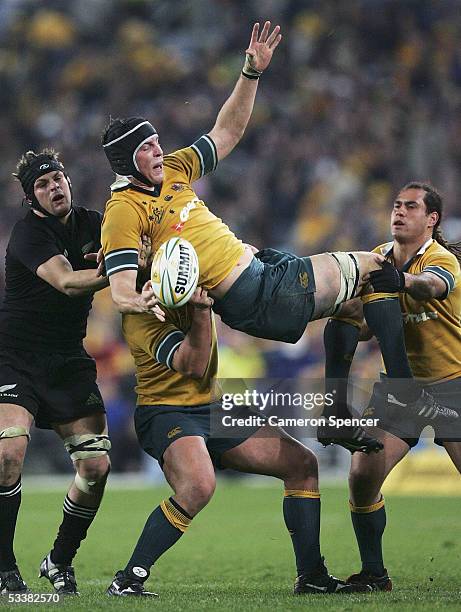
422	286
236	111
127	300
82	282
193	355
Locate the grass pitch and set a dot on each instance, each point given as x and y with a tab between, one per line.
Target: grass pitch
238	556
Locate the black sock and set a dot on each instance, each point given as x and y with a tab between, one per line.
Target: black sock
72	531
10	500
301	511
163	528
340	339
369	523
384	318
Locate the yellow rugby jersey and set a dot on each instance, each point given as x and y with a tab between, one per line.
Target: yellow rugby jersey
433	327
172	209
153	344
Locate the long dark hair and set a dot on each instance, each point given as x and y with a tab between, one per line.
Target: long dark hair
434	203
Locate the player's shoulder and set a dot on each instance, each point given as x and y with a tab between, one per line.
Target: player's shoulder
88	214
436	255
30	225
383	249
124	200
435	248
196	160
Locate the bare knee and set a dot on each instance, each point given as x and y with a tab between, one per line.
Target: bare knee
364	485
301	467
93	471
12	451
194	495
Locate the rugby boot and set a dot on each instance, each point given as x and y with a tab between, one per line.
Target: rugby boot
353	439
377	583
62	577
11	582
125	585
321	582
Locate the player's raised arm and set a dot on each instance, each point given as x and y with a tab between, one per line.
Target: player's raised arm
234	115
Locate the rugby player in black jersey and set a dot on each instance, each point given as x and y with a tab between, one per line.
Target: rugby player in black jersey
46	375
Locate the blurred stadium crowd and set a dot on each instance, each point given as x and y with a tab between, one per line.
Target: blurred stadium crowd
362	96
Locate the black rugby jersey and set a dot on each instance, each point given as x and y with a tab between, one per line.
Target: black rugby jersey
34	315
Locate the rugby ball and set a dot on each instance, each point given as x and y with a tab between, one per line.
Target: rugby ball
174	272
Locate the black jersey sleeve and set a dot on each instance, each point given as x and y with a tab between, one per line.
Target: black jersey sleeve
32	245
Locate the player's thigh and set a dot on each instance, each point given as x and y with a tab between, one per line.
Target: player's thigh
454	451
327	274
12	415
15	423
272	452
368	472
92	423
187	465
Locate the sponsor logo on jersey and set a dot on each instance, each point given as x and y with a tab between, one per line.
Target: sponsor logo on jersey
185	214
420	317
178	187
168	198
174	432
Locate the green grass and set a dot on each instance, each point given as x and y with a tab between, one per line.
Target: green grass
237	554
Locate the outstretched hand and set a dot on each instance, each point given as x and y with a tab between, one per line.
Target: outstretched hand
262	46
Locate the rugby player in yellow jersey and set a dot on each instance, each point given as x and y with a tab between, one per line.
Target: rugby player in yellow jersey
153	195
425	269
176	364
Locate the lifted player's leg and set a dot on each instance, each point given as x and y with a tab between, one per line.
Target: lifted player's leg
15	423
383	316
272	452
341	336
87	442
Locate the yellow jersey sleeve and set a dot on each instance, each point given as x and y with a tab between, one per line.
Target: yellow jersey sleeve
195	161
445	266
120	235
157	339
